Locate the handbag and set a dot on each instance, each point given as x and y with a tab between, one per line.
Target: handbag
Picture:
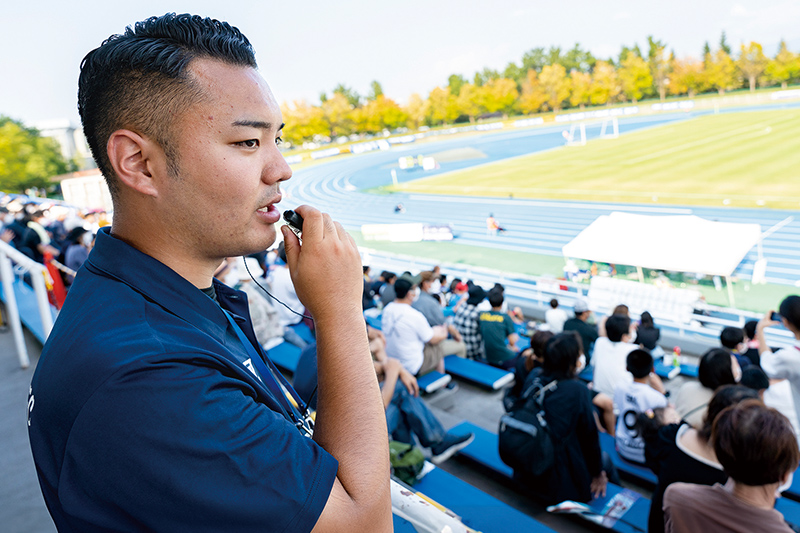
524	439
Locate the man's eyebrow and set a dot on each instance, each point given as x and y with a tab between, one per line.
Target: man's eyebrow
256	124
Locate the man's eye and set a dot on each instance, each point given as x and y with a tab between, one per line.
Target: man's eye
279	141
250	143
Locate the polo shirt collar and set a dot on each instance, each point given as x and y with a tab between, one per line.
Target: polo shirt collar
115	258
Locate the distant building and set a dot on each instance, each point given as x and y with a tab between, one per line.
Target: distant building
70	139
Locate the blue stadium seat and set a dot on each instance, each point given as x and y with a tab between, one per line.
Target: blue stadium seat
433	381
303	330
481	374
632	471
669	372
285	356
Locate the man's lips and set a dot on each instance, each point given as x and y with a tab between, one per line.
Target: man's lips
269	212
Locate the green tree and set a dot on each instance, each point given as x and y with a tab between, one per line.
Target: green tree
784	68
533	95
350	94
659	66
605	84
720	71
375	90
623	54
555	84
578	60
723	44
752	62
635	77
534	59
580	87
26	158
485	76
514	72
455	82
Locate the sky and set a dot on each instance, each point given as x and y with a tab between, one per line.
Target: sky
306	48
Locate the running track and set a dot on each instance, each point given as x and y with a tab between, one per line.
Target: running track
538	226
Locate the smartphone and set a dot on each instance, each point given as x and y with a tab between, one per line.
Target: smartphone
775	316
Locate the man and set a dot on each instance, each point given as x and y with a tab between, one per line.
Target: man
610	358
145	416
579	323
784	363
431	309
409	337
466	321
499	334
386	291
280	282
555	317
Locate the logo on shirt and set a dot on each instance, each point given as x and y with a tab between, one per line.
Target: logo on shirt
30	404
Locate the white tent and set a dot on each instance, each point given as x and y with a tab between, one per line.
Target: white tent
683	243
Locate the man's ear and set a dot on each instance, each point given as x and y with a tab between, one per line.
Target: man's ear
136	160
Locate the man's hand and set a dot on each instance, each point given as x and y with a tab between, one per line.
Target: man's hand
765	322
409	381
326	270
598	486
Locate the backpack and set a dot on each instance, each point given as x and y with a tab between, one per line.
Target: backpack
524	439
407	461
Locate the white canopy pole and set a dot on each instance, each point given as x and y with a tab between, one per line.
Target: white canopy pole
731	299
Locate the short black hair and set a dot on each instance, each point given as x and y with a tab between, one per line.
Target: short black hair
731	337
754	378
389	276
617	326
553	303
716	369
401	288
790	310
562	353
640	363
496	298
750	329
139	80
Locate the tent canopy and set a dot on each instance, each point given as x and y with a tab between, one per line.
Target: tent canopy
684	243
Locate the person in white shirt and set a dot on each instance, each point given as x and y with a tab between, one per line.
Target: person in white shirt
409	337
283	290
785	363
635	398
555	317
610	357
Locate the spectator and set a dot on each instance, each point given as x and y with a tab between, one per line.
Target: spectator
647	335
280	281
785	363
430	307
732	339
580	323
555	317
621	309
717	368
758	452
529	359
581	470
78	244
610	358
632	399
458	294
499	334
677	452
751	342
466	321
407	415
387	289
755	378
409	337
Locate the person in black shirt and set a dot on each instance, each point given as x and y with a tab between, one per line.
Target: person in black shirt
587	332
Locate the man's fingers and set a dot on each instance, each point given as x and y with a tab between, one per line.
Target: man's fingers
291	245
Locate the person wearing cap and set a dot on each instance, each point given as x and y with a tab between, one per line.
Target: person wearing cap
580	323
467	323
429	306
409	337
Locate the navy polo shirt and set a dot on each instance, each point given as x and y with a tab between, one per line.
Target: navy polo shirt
143	417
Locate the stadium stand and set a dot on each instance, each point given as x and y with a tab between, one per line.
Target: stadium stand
481	374
666	303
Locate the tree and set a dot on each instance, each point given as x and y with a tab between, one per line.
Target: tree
514	72
688	77
555	84
580	86
416	111
659	66
375	90
337	113
625	51
455	82
379	114
351	95
578	60
533	95
720	71
485	76
635	77
468	101
26	158
752	62
723	44
605	84
442	107
303	122
534	59
499	95
784	68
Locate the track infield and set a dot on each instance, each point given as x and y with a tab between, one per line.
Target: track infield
744	159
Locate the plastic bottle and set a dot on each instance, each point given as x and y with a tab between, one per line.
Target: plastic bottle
676	356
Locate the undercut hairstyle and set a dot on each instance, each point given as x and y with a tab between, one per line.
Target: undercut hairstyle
790	310
716	369
755	444
731	337
562	353
640	363
722	399
617	326
496	298
140	80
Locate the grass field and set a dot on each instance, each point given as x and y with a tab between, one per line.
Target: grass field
747	159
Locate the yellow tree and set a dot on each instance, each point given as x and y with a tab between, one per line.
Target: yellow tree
442	107
469	101
634	76
533	96
416	111
659	66
499	95
337	113
688	77
580	86
303	122
720	71
752	62
784	68
605	84
555	84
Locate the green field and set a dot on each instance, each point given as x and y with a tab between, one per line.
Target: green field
744	159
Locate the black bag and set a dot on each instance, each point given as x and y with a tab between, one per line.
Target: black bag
524	438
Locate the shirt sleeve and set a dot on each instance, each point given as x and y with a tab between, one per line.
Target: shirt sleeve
424	330
188	447
782	364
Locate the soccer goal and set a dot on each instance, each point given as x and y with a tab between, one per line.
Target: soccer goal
612	124
575	130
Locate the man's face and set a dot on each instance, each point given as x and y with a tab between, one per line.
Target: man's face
221	202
